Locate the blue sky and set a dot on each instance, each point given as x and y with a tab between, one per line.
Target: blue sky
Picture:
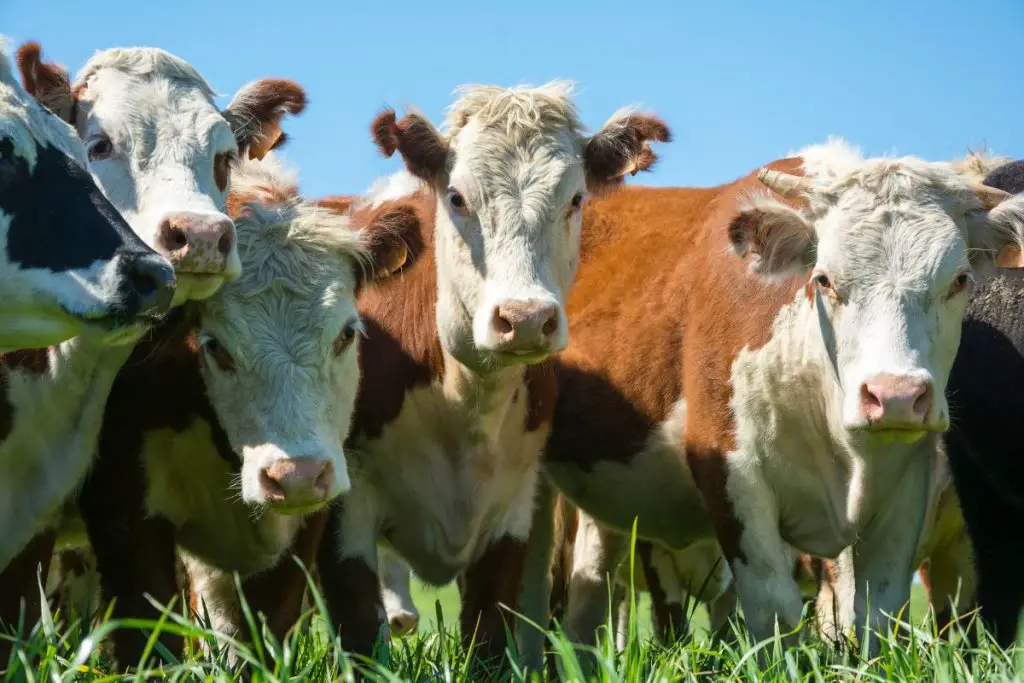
740	83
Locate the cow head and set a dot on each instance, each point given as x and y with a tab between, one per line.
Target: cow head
891	249
68	263
278	345
511	173
161	151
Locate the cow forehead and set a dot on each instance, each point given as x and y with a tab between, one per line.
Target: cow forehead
500	163
149	109
909	246
300	320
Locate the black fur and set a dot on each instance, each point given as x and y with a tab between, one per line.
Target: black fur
986	443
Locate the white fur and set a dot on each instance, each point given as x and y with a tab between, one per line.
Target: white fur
403	617
166	131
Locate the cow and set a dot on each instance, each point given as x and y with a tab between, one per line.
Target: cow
244	442
986	396
457	383
74	269
161	151
776	378
402	615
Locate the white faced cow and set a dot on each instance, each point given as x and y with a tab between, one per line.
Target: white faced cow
69	262
456	397
785	399
161	151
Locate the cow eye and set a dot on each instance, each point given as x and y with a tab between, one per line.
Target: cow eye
960	283
222	164
345	337
577	200
457	201
216	351
100	148
822	281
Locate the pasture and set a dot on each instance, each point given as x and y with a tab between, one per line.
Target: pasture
434	654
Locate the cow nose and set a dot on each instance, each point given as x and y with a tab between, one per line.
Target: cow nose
887	399
196	243
146	285
297	481
528	325
403	623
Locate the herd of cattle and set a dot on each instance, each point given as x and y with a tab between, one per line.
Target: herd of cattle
489	366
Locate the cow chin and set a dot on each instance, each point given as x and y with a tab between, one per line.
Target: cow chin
197	286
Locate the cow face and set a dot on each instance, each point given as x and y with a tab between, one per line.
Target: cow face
892	248
511	174
279	344
69	263
162	152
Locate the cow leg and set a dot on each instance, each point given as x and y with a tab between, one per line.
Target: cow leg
834	604
720	610
622	608
213	597
135	557
403	617
535	598
948	576
492	580
20	600
347	562
883	557
667	608
745	513
596	556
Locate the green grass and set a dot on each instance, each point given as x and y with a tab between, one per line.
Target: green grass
57	653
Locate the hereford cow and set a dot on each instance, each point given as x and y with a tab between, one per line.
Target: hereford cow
161	151
986	395
457	396
75	269
783	396
257	387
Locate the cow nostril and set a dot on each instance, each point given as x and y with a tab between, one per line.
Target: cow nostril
175	238
551	325
225	243
501	324
322	483
923	403
868	399
271	487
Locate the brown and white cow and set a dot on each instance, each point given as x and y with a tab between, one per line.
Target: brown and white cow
258	384
457	394
161	152
69	267
784	398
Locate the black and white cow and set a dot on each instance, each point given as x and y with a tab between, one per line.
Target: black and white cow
69	260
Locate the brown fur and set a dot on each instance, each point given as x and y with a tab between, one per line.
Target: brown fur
609	157
48	82
422	147
639	344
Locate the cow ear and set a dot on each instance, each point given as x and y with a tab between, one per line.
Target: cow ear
256	110
48	82
393	235
422	147
780	239
997	236
621	147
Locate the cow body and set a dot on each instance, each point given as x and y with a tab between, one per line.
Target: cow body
734	382
457	391
55	397
986	398
258	381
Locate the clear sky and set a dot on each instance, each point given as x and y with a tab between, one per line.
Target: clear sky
739	83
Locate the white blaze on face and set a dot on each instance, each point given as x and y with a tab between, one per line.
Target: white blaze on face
160	150
891	247
510	173
507	241
279	354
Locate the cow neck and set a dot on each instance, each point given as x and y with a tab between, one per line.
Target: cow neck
488	396
74	390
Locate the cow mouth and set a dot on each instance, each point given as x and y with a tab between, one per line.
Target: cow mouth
907	434
114	320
